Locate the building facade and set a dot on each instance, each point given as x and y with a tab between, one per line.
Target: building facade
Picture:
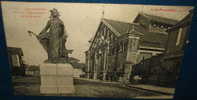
164	69
117	46
16	61
177	41
178	35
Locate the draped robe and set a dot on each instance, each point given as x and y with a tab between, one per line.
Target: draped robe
53	38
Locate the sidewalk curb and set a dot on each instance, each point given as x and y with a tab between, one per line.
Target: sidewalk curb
151	90
129	86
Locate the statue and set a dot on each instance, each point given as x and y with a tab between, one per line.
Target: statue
53	38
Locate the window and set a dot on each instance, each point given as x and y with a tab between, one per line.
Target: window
178	40
125	46
134	44
15	61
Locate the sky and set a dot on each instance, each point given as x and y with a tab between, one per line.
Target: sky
81	21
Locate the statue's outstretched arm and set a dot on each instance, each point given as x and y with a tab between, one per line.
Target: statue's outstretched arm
44	30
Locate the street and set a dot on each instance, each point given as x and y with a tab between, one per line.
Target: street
83	88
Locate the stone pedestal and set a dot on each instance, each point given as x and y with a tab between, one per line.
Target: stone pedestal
56	78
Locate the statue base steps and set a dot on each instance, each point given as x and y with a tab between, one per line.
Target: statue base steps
56	78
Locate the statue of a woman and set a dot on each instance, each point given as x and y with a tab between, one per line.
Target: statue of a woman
53	37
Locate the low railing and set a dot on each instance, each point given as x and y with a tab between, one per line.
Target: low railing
158	71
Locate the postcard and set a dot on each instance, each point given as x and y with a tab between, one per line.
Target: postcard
95	49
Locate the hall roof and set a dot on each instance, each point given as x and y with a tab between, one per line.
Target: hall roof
149	39
184	22
121	28
155	18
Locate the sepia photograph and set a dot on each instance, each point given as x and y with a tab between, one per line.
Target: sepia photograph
95	50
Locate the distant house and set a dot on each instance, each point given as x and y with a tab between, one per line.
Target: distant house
164	69
117	46
177	40
15	56
178	35
155	36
